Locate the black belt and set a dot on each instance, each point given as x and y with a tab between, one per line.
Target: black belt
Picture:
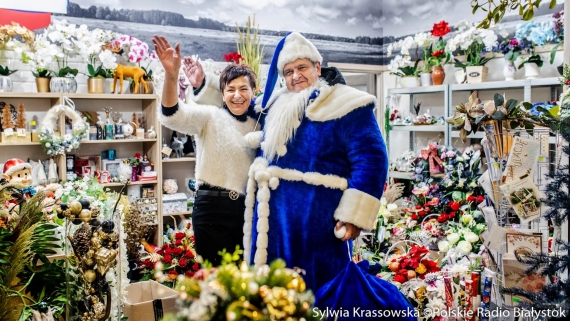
233	195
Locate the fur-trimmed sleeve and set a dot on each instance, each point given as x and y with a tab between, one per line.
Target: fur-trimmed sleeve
189	118
368	158
209	93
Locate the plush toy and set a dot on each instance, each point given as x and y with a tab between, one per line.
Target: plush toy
16	171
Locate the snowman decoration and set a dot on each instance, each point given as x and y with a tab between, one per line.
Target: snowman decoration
16	171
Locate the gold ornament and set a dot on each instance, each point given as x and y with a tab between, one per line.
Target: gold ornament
85	215
75	207
297	283
90	276
105	259
420	293
278	301
421	269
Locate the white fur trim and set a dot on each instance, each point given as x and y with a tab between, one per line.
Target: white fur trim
358	208
282	150
297	47
273	183
336	101
18	167
253	139
312	178
248	216
210	94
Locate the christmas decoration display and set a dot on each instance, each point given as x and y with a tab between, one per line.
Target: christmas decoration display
58	145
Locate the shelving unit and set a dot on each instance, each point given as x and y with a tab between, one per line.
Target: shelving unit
520	89
37	105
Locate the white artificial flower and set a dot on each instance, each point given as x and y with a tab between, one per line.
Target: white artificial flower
443	246
453	238
108	59
466	219
464	247
436	305
471	237
389	50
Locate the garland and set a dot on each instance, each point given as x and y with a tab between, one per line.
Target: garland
58	145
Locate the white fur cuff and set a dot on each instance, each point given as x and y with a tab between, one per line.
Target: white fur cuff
253	139
210	93
358	208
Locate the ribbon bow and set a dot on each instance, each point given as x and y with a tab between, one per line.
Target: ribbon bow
435	163
29	191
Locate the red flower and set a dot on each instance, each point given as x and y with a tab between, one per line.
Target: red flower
440	29
443	218
434	201
480	199
167	250
233	56
167	259
189	274
430	265
137	155
196	267
172	275
178	242
422	213
471	199
189	254
177	251
182	263
437	53
400	278
418	207
452	214
417	252
454	206
567	82
159	252
179	235
414	217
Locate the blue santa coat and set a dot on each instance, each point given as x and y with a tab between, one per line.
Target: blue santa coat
301	219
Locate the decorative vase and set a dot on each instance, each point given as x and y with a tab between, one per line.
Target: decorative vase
63	85
42	84
460	75
425	79
531	70
409	81
437	75
509	71
134	173
476	74
5	84
141	88
95	85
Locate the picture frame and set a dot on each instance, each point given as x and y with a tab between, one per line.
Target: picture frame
523	244
112	166
103	177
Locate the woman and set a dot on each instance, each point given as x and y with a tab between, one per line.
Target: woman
222	158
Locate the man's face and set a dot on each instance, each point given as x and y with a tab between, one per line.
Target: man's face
301	73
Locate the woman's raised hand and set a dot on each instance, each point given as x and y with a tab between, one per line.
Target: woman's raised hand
194	72
170	58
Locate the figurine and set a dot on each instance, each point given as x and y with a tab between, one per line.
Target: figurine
151	133
18	172
178	145
137	73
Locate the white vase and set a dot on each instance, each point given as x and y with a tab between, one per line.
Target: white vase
460	75
409	82
531	71
5	84
63	85
509	70
425	79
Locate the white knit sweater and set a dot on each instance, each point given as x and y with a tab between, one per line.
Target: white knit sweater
222	158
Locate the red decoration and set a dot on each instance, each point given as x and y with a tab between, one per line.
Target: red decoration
233	56
440	29
435	163
30	20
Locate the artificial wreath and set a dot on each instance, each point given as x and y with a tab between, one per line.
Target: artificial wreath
58	145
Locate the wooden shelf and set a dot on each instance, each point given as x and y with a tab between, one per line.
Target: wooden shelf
117	141
130	183
112	96
179	160
21	144
29	95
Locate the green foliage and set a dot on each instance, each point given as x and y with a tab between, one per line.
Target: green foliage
100	72
42	73
533	58
148	74
496	9
67	72
5	71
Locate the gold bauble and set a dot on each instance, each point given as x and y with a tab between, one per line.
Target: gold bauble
297	284
85	215
90	276
89	262
75	207
105	259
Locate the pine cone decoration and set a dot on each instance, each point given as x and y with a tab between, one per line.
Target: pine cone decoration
81	240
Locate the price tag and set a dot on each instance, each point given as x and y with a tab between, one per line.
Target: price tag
21	132
8	132
166	150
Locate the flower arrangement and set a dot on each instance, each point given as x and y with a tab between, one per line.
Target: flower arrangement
438	53
558	26
232	292
234	57
136	52
473	42
538	34
463	235
403	67
410	265
96	52
8	40
512	48
176	257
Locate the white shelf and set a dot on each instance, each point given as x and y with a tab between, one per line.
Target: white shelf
179	160
421	128
177	214
401	175
514	84
455	134
555	81
117	141
130	183
418	90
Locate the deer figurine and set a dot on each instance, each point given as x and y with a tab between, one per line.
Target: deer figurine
178	145
137	73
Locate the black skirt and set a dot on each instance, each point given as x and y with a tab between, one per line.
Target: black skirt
218	224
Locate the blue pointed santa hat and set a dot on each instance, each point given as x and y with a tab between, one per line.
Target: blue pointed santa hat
292	47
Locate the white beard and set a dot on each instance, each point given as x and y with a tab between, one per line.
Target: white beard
283	119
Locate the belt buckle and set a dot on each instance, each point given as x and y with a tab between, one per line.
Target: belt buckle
233	195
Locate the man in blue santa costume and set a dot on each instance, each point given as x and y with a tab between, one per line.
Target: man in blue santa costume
321	170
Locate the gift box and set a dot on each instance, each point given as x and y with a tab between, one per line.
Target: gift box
174	203
148	300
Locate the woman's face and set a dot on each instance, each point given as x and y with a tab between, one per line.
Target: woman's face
238	94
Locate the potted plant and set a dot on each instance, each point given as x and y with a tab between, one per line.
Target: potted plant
40	57
474	43
403	68
532	63
136	52
558	26
538	33
7	32
512	49
96	51
439	56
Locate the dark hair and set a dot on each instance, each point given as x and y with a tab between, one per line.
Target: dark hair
234	71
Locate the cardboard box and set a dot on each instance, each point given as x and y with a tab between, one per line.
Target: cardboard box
149	300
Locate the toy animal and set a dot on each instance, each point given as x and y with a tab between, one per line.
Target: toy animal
178	145
137	73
